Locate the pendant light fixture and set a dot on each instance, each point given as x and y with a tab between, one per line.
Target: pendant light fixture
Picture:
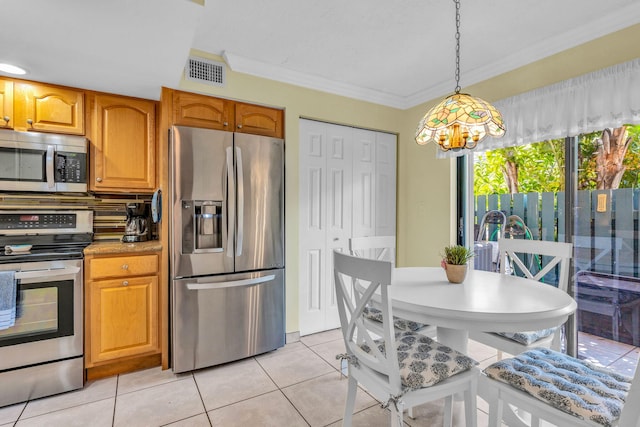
460	120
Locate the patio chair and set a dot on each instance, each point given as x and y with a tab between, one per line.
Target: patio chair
384	248
411	371
559	389
532	259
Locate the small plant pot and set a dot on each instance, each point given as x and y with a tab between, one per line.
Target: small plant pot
456	273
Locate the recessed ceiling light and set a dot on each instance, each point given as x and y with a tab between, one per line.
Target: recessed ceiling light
12	69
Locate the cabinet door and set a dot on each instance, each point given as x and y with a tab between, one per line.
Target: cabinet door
45	108
259	120
123	144
123	316
202	111
6	104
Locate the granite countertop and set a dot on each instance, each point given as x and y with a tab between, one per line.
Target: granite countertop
116	247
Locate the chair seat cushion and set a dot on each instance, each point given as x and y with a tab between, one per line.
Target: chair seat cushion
528	338
399	323
569	384
423	361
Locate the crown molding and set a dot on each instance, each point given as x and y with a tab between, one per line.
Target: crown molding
261	69
617	20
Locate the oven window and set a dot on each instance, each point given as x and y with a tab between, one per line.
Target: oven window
18	164
43	311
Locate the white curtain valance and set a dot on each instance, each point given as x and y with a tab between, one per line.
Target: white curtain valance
605	98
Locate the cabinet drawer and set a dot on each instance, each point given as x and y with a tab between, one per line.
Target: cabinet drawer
123	266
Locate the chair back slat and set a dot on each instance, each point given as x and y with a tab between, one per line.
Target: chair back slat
357	280
374	247
548	256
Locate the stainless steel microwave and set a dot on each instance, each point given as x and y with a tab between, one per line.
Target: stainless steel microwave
31	161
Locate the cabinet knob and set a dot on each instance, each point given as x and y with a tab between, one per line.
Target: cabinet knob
239	126
6	119
30	122
125	266
225	124
99	179
125	283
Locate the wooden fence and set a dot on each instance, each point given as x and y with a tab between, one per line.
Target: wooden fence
606	225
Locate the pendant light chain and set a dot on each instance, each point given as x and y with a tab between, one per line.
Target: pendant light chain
460	120
457	2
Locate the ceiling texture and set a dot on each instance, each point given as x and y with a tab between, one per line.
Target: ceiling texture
398	53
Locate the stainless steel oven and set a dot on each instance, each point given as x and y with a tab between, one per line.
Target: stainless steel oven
41	348
32	161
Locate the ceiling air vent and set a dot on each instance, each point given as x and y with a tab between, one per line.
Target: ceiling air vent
205	71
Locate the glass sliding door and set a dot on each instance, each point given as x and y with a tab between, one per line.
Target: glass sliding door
584	190
606	257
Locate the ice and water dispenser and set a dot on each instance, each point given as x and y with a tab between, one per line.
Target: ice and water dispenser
202	226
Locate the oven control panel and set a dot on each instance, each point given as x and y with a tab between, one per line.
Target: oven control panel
36	221
45	222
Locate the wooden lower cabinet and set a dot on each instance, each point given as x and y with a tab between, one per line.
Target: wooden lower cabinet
121	309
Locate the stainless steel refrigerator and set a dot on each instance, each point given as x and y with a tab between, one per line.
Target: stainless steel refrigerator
227	246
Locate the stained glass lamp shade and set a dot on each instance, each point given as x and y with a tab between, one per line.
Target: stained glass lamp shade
460	121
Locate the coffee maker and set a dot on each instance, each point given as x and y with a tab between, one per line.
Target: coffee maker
137	226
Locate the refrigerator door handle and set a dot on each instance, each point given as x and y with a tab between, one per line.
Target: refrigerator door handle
231	206
231	284
240	201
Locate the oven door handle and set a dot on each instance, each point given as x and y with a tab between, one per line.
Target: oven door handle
47	273
230	284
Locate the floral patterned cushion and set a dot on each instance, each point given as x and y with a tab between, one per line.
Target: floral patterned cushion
423	361
569	384
398	322
528	338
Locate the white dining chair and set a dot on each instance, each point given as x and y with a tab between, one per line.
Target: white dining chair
411	371
374	247
533	259
383	248
560	389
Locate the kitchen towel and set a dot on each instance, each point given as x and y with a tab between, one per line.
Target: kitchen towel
8	291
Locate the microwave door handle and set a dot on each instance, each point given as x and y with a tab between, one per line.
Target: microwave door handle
51	179
231	206
240	201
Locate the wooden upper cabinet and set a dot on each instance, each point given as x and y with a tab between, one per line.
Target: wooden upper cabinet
259	120
123	144
190	109
45	108
6	104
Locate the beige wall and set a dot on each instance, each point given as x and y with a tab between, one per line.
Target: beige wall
425	185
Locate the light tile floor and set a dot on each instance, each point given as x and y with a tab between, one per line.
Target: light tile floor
298	385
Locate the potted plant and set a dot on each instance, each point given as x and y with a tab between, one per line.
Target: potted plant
454	262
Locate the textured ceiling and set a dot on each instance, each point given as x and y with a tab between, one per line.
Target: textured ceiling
393	52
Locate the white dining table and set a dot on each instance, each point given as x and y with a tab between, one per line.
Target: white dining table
485	301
